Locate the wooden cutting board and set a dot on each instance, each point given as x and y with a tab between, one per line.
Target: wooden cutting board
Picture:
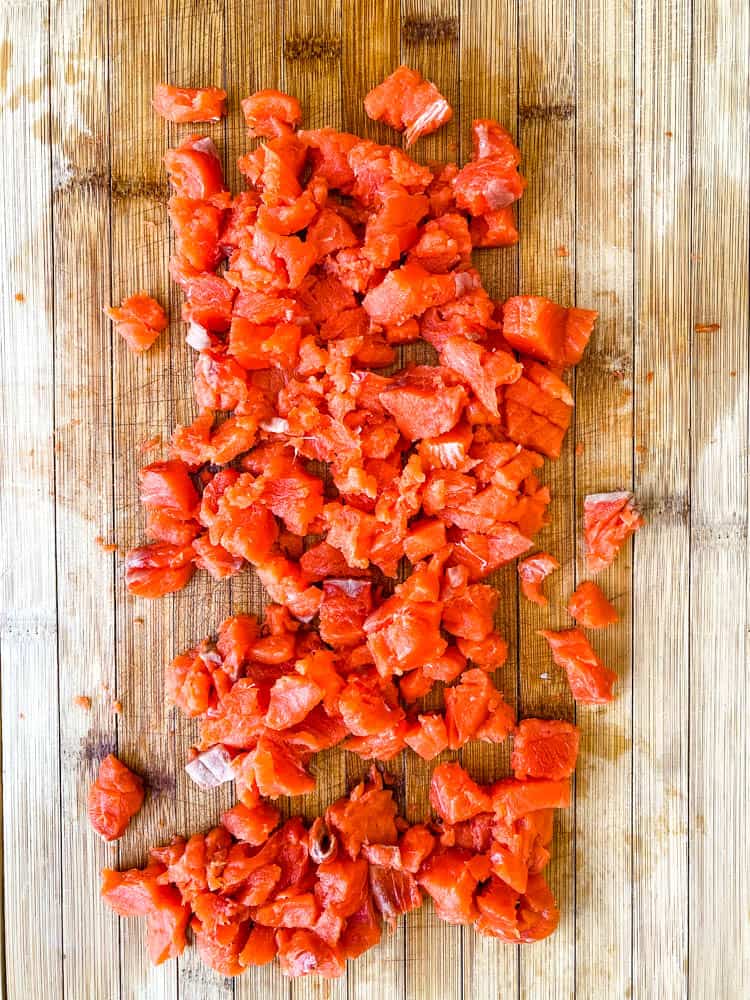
632	119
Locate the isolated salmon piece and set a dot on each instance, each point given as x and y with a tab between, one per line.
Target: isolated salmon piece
268	113
609	519
408	103
139	320
189	104
114	798
533	571
590	607
590	681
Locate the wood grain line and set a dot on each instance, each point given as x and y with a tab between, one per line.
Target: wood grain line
661	577
83	418
718	805
546	50
603	460
31	813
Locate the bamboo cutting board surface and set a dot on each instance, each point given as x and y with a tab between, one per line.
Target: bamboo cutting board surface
633	121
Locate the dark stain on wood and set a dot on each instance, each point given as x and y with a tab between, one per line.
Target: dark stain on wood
546	112
93	749
160	783
308	48
120	188
415	30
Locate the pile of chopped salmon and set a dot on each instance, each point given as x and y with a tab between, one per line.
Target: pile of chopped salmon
298	294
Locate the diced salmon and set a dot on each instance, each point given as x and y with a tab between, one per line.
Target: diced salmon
190	104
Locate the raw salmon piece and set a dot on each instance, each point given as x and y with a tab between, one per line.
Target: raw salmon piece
394	892
471	704
444	243
535	326
302	952
517	918
408	291
447	878
423	406
155	570
609	519
369	706
368	815
544	748
427	734
482	554
513	798
535	418
533	571
393	227
253	826
345	606
590	681
454	796
135	892
207	307
415	844
491	181
269	112
483	371
167	486
139	320
114	798
260	947
166	929
590	607
408	103
494	229
291	700
194	168
190	104
197	226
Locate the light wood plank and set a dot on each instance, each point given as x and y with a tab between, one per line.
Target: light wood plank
661	556
546	49
195	58
83	418
430	43
603	429
489	89
142	407
28	613
719	890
